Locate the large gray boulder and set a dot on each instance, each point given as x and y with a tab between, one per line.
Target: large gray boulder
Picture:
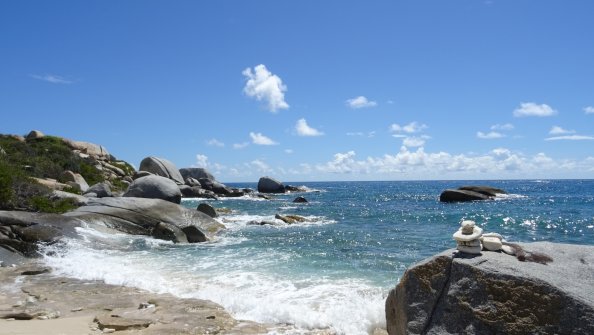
494	293
154	187
215	186
161	167
21	232
196	173
270	185
101	190
75	180
142	215
93	150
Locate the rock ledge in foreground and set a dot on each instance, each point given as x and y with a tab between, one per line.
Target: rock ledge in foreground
494	293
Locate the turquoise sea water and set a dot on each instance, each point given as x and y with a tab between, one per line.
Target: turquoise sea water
334	271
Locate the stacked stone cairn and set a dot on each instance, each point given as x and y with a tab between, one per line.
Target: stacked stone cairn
471	240
468	238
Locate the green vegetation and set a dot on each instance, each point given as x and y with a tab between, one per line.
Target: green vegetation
46	157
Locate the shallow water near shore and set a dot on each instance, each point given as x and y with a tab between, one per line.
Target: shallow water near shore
334	271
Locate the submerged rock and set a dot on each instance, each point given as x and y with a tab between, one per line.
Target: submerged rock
496	294
301	200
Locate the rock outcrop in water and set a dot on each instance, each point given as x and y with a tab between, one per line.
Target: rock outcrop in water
141	216
22	232
495	293
470	193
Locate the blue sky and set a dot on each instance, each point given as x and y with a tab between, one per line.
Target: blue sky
311	90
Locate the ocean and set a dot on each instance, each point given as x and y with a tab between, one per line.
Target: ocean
334	271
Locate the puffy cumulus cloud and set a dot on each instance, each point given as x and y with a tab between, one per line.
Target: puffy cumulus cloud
533	109
411	128
262	85
52	78
556	130
570	138
506	127
201	161
360	102
499	162
589	110
303	129
213	142
489	136
259	139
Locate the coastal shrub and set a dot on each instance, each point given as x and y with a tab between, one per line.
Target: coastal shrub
127	168
44	204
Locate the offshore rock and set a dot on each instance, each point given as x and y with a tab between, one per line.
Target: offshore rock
461	196
470	193
155	187
142	215
161	167
270	185
486	190
496	294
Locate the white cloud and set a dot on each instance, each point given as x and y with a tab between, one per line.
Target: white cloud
260	166
289	151
507	126
414	141
589	110
259	139
52	78
240	145
201	161
411	128
489	136
406	163
532	109
263	85
570	138
556	130
360	102
360	133
213	142
303	129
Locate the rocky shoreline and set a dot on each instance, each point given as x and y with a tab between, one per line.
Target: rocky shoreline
31	292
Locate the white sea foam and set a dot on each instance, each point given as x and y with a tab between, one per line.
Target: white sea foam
240	221
249	284
502	196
